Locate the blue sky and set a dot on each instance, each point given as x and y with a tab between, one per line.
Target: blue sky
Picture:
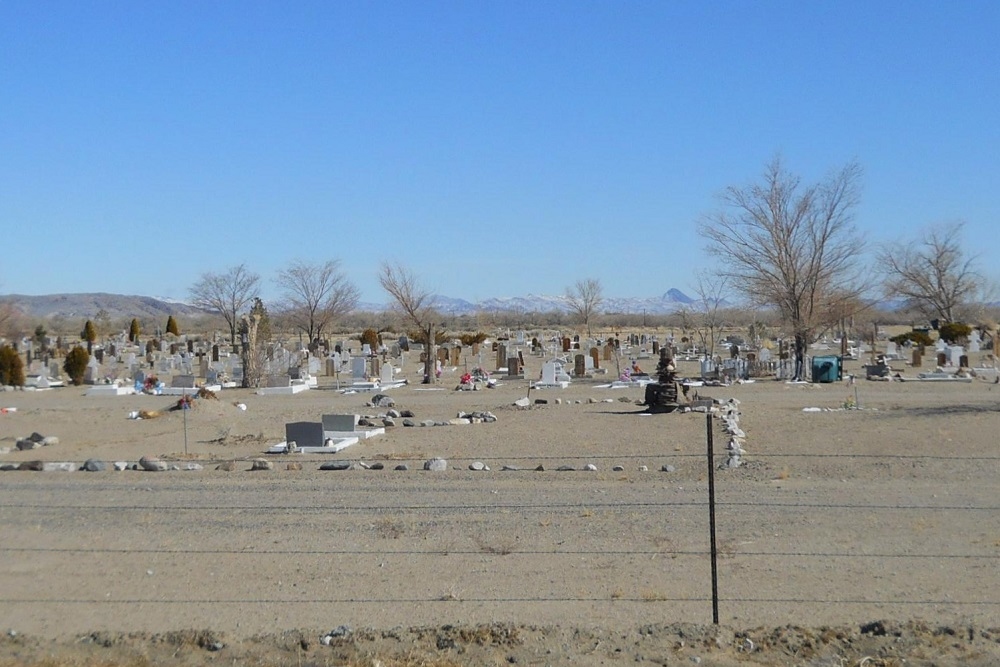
495	148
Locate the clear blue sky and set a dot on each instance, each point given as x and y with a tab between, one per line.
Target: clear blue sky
495	148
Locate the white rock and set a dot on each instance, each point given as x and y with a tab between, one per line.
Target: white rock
61	466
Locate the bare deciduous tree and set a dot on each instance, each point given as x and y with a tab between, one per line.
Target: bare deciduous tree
416	304
710	289
933	274
790	247
227	293
584	298
316	295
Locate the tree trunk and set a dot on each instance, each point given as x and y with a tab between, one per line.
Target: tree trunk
800	356
430	359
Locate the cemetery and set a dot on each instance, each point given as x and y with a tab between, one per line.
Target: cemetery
366	453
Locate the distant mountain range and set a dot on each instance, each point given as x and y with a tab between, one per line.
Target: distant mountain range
87	306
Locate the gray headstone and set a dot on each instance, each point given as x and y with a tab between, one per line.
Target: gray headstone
182	382
339	423
304	434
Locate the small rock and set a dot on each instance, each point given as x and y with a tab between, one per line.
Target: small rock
540	468
293	466
643	468
510	468
152	464
478	465
402	466
565	468
428	422
459	422
335	465
36	437
25	444
436	465
192	467
618	469
388	422
121	465
667	468
261	464
541	401
409	422
590	467
9	466
558	401
49	440
383	401
522	402
34	466
226	466
215	646
393	413
406	413
377	466
93	465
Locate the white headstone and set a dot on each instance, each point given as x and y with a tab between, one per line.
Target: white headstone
388	373
549	372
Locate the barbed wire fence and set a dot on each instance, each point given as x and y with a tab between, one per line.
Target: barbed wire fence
717	588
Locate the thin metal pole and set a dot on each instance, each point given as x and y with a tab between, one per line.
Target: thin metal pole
184	406
711	520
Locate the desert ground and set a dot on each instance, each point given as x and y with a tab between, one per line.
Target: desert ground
867	536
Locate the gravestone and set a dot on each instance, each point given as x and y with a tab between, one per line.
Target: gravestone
579	365
215	353
549	372
501	355
963	361
340	423
917	358
513	367
211	376
387	374
942	359
656	347
304	434
202	366
359	368
566	342
596	357
456	356
182	382
277	381
975	343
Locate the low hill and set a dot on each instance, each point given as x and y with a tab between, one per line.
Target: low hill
87	306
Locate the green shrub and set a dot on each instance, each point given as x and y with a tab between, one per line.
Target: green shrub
915	337
134	331
371	337
472	338
172	326
89	333
954	332
11	367
76	364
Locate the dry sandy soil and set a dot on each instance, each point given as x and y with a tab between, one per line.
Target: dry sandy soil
849	537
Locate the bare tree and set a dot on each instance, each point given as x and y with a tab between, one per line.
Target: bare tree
710	289
933	274
416	304
316	295
227	293
584	298
12	322
790	247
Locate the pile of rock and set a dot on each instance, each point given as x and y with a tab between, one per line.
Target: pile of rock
729	413
36	440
